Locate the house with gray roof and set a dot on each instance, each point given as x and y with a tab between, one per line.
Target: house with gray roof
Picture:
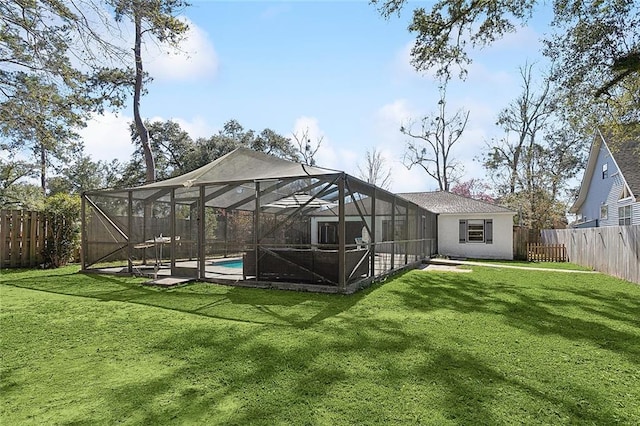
468	228
610	190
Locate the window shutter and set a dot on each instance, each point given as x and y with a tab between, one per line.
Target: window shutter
488	231
462	231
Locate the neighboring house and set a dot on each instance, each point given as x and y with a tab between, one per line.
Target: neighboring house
468	228
610	189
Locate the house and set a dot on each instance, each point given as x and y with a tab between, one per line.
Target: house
610	189
466	227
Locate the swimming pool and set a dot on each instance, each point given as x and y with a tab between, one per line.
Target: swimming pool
228	263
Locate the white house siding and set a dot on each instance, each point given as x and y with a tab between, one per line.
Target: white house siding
448	236
606	191
316	219
612	201
602	191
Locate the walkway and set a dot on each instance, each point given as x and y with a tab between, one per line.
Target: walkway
497	265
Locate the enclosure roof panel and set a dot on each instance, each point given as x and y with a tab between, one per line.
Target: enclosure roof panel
239	165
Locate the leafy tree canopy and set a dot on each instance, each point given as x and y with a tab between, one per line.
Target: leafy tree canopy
594	46
176	153
52	75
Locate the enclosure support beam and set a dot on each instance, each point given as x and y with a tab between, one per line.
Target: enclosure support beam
83	232
342	232
172	231
108	219
256	230
372	234
406	235
393	232
201	241
226	233
357	206
130	226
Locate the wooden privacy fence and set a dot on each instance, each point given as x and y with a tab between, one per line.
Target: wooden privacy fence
22	235
537	252
521	238
613	250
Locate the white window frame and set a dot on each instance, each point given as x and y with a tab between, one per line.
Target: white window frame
624	215
604	211
475	231
605	170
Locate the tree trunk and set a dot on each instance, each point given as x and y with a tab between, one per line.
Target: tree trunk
43	169
137	93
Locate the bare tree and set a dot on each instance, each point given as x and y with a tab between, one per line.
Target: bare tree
525	118
375	170
534	162
306	147
430	148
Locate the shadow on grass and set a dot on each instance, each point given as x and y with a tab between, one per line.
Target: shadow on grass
259	306
565	311
287	377
368	364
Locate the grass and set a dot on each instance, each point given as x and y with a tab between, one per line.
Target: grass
496	346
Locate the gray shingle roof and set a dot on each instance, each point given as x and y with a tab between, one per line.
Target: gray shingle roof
628	159
446	202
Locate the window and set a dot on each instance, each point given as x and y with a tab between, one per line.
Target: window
328	233
605	170
604	211
624	215
475	231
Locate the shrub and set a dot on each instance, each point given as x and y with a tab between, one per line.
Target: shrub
62	214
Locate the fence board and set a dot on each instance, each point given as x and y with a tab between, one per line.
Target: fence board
613	250
15	237
4	237
538	252
21	238
521	237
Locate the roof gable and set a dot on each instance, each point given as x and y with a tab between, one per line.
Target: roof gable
443	202
626	158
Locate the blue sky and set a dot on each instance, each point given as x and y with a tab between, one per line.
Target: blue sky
335	67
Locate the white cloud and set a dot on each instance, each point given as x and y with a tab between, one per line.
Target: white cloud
329	155
107	137
479	73
275	11
403	69
196	127
195	58
392	143
391	116
522	37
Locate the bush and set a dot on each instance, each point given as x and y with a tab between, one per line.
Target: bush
62	214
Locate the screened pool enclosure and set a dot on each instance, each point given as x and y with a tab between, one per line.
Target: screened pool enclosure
248	218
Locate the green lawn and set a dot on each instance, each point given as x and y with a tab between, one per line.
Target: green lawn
495	346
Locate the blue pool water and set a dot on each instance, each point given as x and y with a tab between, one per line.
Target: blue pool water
231	263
